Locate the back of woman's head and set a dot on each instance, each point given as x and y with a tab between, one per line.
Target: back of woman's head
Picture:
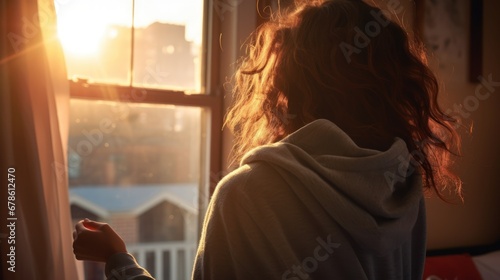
344	61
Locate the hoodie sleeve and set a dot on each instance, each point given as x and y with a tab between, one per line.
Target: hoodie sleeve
123	266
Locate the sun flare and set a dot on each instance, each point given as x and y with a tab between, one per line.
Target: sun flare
81	36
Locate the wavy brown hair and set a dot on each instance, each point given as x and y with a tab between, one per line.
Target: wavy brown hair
312	62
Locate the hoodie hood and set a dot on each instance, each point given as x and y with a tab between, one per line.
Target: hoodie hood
373	195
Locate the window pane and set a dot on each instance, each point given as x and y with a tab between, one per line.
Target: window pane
97	41
137	167
168	37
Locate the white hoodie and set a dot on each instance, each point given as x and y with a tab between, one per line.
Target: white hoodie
314	206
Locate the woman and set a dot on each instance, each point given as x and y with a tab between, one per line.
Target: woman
338	134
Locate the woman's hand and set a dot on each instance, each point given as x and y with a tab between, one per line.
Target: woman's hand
94	241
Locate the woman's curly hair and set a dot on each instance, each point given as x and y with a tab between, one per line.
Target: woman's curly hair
345	61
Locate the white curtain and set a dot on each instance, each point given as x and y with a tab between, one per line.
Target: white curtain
34	104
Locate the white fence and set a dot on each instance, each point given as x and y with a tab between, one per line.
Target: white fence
165	260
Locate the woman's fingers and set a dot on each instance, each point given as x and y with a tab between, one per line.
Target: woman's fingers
79	227
86	225
83	242
93	225
84	247
96	241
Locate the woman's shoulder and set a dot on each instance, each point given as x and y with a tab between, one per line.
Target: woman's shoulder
250	180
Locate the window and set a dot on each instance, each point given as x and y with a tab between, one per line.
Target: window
143	109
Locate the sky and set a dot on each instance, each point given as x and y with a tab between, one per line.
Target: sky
82	22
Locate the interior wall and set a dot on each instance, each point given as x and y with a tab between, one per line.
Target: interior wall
476	221
237	23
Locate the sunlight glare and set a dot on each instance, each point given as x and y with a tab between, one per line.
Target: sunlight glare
80	35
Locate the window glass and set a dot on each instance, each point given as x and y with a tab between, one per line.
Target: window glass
96	37
168	37
137	168
166	50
